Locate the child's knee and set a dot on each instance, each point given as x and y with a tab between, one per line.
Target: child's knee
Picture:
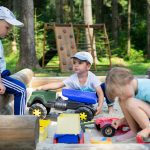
23	87
130	103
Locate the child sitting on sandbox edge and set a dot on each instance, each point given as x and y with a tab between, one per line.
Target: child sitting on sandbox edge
82	79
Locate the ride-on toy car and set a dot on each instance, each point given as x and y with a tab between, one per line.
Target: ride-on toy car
41	102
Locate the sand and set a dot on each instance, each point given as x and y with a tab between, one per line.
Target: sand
90	132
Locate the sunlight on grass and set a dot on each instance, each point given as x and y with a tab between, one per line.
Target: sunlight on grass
52	68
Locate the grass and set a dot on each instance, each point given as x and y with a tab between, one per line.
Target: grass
102	66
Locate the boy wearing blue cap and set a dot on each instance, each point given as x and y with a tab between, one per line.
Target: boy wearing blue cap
82	79
8	84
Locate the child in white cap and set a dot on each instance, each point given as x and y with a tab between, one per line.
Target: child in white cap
8	84
82	79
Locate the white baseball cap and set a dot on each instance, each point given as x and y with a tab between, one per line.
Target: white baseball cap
8	16
84	56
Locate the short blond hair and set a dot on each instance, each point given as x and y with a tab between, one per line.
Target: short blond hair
116	78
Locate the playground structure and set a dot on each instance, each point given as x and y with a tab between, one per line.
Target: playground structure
68	43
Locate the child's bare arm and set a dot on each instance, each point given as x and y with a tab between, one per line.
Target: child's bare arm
51	86
2	88
100	99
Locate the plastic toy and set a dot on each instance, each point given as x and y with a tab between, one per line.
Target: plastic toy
141	140
100	140
43	129
104	124
85	124
68	129
41	102
69	138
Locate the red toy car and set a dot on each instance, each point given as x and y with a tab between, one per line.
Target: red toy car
104	124
141	140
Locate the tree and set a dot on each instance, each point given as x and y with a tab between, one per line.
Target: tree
27	56
129	27
98	11
59	11
88	19
148	28
115	22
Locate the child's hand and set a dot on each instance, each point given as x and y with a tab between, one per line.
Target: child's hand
117	123
2	88
38	88
98	110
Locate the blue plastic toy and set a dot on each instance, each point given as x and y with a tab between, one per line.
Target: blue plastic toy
80	96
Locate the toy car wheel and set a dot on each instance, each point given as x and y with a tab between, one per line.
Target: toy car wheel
48	110
38	110
108	131
97	126
85	113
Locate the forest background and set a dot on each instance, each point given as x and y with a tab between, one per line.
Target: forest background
127	23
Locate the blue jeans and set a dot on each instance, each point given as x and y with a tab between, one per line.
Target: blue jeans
109	102
16	88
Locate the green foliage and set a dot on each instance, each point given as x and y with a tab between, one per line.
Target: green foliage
138	35
121	50
45	11
123	3
139	68
11	61
136	56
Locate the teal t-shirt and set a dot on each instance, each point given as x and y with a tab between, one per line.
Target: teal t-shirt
143	92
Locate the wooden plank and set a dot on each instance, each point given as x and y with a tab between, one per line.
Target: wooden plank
126	146
96	26
19	132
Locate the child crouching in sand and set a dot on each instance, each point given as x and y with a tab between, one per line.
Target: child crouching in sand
134	100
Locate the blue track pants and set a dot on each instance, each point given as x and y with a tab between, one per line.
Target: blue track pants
16	88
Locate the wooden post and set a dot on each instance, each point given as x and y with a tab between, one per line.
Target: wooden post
18	132
24	76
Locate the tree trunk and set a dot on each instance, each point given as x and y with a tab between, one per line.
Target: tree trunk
71	11
88	20
59	11
27	56
148	28
115	22
129	27
99	11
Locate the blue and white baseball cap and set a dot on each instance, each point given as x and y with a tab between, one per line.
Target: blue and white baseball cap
8	16
84	56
